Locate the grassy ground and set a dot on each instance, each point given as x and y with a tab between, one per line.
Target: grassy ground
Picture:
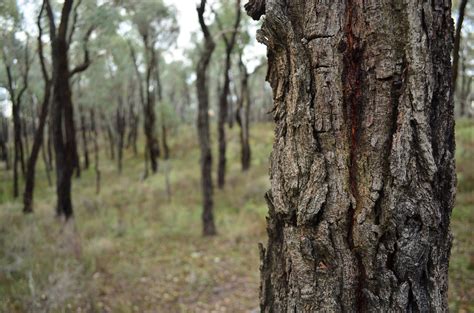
132	249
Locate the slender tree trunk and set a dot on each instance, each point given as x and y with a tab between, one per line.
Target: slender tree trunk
209	228
243	118
85	145
362	168
164	139
457	40
17	149
120	127
110	134
26	142
49	144
223	99
96	150
46	165
4	141
37	143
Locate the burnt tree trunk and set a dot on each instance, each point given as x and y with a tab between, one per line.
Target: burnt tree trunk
209	228
362	168
223	98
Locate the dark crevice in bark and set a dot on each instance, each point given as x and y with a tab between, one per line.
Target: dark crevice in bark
255	8
353	100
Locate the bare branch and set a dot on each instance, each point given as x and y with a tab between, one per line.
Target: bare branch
87	61
40	45
74	22
52	25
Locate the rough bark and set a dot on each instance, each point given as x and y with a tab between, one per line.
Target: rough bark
209	228
223	98
39	132
362	168
457	40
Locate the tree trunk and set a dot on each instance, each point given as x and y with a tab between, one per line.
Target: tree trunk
362	168
209	228
4	141
96	150
120	130
63	130
243	118
85	145
26	143
164	138
62	113
17	149
223	99
110	134
457	40
35	149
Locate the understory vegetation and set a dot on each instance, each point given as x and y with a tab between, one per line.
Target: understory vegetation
137	246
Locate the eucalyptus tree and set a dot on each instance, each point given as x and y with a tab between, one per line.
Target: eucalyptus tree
39	130
457	39
62	120
229	38
16	59
209	228
362	167
157	28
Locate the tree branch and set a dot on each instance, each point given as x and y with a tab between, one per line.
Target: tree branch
74	22
40	45
52	25
87	61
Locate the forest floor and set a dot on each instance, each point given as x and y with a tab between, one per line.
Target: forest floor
132	248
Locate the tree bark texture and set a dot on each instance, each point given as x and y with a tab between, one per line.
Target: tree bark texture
209	228
362	168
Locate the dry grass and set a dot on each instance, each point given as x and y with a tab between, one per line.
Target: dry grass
131	249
